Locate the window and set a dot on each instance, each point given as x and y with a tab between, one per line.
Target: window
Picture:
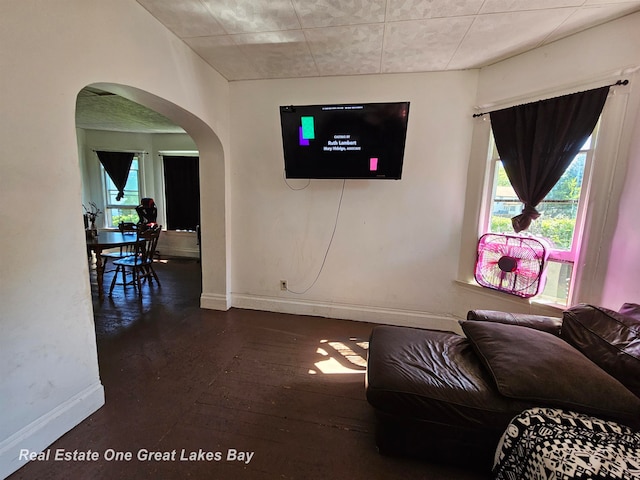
123	210
561	217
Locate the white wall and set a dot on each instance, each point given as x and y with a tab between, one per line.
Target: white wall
395	252
404	251
49	378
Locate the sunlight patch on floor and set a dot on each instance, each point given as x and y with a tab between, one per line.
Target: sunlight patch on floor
341	358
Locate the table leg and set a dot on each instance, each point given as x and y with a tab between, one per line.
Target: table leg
100	273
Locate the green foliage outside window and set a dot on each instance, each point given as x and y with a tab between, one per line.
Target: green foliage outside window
125	216
122	210
559	231
558	210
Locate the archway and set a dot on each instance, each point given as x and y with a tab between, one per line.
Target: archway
213	242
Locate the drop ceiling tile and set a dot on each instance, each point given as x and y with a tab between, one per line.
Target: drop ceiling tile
252	16
327	13
187	18
496	36
224	55
496	6
500	29
278	54
592	16
419	9
349	50
422	45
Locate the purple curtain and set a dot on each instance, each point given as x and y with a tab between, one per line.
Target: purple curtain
117	166
538	141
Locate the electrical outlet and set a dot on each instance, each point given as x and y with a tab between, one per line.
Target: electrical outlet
283	285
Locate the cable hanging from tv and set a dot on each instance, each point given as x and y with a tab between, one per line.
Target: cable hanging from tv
326	253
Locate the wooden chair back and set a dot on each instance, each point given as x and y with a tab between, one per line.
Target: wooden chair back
146	244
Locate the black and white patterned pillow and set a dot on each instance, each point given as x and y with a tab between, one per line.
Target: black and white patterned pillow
553	444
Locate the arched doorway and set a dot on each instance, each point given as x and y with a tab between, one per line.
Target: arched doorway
213	239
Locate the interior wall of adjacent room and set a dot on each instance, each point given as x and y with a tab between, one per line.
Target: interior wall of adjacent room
171	243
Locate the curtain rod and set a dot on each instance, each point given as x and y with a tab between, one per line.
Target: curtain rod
177	153
619	82
118	150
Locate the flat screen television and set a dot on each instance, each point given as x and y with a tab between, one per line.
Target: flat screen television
360	140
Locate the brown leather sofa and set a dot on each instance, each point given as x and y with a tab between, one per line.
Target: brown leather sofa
448	397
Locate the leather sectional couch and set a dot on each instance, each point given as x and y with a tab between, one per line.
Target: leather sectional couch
448	397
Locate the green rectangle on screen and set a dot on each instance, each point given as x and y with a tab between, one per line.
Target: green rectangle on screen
308	129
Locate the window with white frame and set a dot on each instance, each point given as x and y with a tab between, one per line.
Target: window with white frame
124	209
561	218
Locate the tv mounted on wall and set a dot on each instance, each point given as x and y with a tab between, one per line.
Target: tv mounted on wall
360	140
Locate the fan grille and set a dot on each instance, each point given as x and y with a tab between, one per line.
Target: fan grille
511	264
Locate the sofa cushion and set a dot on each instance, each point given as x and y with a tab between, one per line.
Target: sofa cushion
609	339
539	322
433	398
532	365
630	310
435	376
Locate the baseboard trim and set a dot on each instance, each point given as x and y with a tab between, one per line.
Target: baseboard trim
390	316
214	301
178	252
41	433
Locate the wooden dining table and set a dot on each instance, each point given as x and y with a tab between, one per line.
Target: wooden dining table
104	241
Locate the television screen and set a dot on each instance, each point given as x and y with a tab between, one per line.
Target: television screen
361	140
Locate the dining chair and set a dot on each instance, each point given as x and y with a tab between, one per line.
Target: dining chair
140	263
147	211
124	251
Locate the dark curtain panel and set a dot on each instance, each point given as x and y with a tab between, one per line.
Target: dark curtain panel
117	166
182	191
537	142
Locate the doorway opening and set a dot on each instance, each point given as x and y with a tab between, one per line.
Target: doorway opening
157	132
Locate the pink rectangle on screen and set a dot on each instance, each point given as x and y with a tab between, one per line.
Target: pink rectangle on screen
373	164
303	141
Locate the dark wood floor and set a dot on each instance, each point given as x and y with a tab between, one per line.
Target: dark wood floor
275	396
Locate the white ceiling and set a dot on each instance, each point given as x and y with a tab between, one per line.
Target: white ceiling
258	39
261	39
